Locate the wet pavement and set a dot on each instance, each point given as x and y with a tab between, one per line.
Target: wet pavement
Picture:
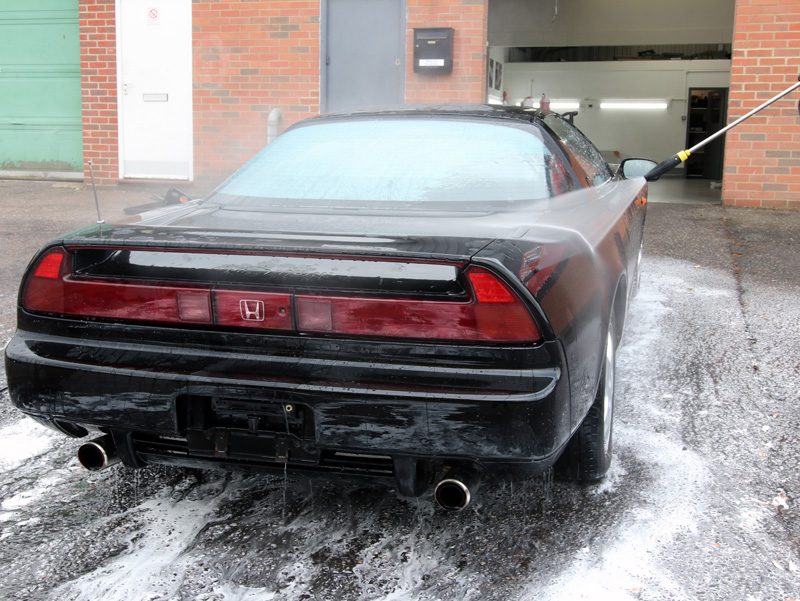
700	503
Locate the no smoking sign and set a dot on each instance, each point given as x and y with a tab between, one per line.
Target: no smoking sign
152	16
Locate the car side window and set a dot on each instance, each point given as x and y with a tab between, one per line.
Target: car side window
589	165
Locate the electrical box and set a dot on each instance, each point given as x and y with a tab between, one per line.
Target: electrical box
433	50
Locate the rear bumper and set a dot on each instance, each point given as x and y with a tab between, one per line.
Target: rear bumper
309	403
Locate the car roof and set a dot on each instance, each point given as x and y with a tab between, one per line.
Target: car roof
451	109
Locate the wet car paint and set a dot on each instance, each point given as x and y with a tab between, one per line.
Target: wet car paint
469	408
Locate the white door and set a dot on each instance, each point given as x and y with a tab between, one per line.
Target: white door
154	74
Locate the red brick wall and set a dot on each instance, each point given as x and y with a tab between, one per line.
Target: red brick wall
762	155
467	82
99	88
250	57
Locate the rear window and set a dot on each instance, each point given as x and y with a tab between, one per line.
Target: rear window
587	162
398	161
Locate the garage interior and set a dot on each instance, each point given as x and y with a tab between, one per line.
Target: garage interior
646	79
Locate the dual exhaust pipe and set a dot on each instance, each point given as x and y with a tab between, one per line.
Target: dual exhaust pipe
458	487
453	492
98	454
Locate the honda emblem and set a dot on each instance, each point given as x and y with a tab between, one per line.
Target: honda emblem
252	310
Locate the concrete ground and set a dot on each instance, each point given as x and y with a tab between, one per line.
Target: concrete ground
675	189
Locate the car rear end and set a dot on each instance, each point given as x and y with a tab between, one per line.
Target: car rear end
347	363
324	309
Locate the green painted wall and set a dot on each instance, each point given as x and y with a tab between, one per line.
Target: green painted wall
40	86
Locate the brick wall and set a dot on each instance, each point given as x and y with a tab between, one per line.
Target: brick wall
762	155
99	88
467	82
250	57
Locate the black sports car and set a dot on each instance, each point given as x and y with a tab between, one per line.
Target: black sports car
397	293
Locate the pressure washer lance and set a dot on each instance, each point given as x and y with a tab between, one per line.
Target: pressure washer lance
660	169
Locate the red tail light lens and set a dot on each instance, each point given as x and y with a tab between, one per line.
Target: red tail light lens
496	314
51	289
44	289
170	304
492	311
385	317
50	266
488	289
500	314
112	300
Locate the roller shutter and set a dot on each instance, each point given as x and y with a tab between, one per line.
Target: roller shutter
40	89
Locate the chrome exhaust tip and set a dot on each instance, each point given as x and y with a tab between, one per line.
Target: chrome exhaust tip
98	454
455	491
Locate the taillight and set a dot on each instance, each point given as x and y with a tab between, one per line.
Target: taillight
490	311
144	302
494	314
49	267
499	312
44	289
385	317
50	288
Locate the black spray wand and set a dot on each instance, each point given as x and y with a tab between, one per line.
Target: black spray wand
679	158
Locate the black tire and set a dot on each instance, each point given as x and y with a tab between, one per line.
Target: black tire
595	434
588	453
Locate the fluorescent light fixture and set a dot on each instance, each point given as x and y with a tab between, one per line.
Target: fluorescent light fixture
636	106
572	105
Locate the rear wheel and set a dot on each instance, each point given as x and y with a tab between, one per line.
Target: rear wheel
588	454
595	431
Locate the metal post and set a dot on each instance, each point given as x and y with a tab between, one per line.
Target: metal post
96	202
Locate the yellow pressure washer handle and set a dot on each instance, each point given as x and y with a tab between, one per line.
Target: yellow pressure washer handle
660	169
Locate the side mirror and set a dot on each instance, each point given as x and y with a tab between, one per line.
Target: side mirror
630	168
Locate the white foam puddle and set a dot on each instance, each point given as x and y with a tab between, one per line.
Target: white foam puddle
151	570
238	593
23	440
632	563
30	496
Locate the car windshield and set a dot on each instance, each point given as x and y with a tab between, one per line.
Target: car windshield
357	162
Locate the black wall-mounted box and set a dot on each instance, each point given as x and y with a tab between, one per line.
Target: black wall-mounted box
433	50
